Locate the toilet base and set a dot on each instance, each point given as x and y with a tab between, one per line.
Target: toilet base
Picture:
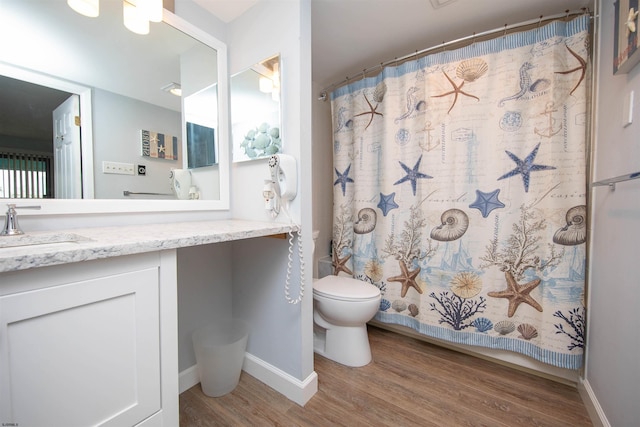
347	345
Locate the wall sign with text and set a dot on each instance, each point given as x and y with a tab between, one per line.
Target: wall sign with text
625	42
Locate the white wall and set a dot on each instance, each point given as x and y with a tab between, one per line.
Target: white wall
204	292
322	176
199	17
283	334
613	342
117	121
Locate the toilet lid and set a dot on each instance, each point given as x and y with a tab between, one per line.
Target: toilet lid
345	288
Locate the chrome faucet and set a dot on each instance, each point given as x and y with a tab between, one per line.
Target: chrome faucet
11	227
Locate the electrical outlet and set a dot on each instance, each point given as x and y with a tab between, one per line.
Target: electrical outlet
118	168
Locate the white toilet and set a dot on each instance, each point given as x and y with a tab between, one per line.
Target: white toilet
342	306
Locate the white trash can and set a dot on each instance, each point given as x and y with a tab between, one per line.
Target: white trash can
220	349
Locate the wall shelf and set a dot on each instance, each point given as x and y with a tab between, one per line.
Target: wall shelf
611	182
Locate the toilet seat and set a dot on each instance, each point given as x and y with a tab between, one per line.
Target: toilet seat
345	289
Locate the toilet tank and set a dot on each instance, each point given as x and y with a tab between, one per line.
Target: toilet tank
325	268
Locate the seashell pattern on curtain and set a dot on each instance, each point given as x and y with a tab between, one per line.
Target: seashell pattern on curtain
460	191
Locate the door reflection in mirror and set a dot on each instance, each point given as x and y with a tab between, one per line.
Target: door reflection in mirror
26	130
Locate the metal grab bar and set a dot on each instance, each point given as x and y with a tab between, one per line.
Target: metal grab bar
611	182
130	193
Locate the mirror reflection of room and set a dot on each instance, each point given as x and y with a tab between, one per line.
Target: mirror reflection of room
255	111
27	146
130	125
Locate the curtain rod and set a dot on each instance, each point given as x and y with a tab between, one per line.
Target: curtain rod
443	45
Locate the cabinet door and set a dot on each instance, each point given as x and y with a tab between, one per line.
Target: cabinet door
81	354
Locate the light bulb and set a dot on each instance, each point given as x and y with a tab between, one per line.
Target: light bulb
266	84
135	18
154	10
275	95
90	8
173	88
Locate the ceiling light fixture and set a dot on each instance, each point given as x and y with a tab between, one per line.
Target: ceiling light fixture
269	81
154	10
173	88
136	13
90	8
135	18
266	84
275	94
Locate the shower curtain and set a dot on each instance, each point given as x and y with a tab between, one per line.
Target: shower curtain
460	191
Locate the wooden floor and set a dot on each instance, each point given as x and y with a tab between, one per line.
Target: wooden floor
409	383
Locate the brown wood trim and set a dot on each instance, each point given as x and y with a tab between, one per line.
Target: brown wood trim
278	236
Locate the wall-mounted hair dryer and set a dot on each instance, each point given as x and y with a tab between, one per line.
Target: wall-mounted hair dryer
180	183
284	175
284	185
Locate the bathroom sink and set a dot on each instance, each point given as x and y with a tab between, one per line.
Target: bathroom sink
40	239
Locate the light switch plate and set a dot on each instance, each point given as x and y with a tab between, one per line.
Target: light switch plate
117	168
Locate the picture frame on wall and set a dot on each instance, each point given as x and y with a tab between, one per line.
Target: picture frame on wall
626	54
158	145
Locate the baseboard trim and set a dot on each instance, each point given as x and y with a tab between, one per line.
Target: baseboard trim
597	415
294	389
188	378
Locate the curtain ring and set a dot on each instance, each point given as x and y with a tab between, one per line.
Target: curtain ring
364	73
473	39
539	23
504	34
566	18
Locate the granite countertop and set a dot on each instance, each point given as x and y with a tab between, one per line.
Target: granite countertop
66	246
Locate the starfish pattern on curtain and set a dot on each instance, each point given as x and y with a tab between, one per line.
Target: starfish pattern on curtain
460	192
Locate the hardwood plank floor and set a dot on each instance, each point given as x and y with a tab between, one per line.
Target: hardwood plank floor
409	383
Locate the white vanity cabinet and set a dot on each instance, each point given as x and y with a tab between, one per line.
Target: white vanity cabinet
90	343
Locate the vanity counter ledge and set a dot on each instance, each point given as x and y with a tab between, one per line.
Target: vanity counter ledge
106	242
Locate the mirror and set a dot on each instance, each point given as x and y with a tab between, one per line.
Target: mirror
255	111
132	132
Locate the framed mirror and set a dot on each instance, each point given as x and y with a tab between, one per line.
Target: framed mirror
132	130
255	111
